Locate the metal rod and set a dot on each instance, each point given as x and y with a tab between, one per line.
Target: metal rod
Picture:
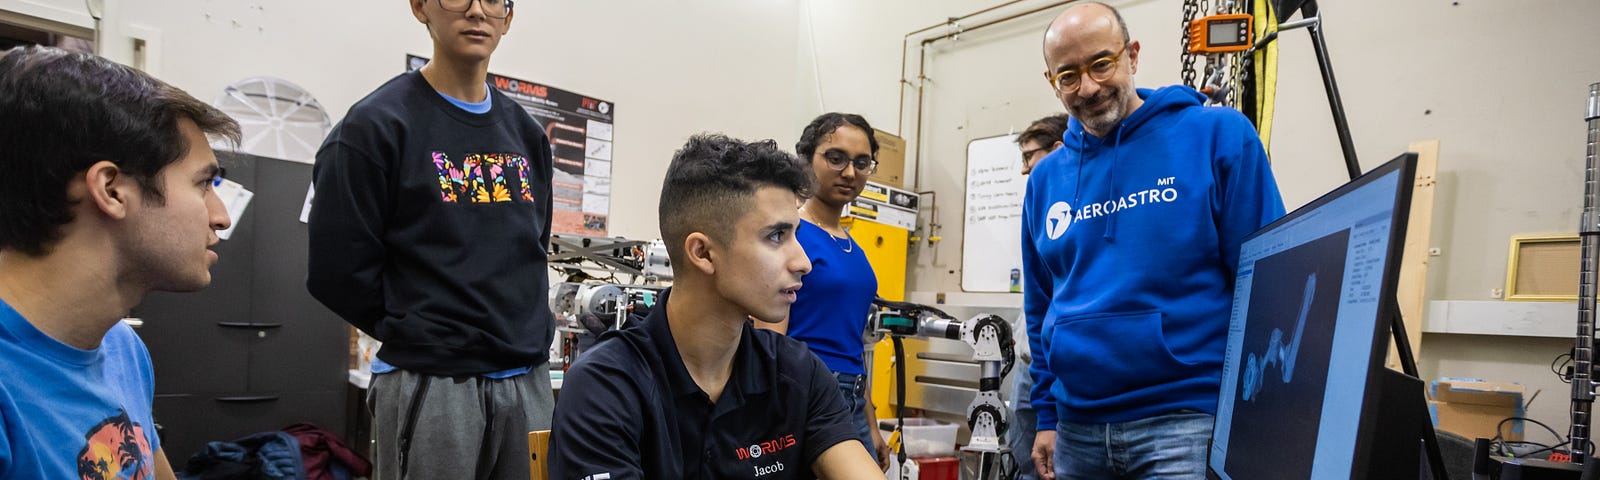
922	61
1408	364
949	36
1340	124
1301	23
900	129
1583	344
922	87
964	17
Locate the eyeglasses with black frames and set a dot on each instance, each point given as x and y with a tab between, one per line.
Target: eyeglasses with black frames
837	160
493	8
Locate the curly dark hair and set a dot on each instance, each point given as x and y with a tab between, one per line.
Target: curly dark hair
821	127
712	180
1045	131
60	113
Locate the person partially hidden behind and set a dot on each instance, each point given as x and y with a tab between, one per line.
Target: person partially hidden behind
107	196
1042	137
696	391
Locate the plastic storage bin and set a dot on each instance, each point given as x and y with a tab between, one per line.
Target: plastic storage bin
926	437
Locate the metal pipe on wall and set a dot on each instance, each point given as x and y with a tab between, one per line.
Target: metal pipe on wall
900	129
922	66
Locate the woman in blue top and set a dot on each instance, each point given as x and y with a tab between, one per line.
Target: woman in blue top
832	306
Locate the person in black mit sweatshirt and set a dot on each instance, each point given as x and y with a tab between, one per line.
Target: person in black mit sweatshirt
429	231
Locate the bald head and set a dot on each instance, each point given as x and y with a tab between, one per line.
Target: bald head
1084	18
1086	35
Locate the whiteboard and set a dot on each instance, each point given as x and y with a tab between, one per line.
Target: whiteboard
991	238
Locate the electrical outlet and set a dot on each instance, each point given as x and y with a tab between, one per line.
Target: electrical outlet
1497	293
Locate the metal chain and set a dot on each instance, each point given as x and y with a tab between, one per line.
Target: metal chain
1213	62
1238	79
1211	59
1191	9
1239	70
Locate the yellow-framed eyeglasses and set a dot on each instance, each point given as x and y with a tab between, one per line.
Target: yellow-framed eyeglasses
1099	70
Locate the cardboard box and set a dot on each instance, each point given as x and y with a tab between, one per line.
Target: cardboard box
891	160
1473	407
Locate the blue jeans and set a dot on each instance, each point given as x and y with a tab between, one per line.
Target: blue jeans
1170	446
854	389
1024	424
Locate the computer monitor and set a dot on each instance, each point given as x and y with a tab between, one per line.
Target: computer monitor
1303	371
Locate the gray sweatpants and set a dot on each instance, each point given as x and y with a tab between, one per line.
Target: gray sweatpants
429	427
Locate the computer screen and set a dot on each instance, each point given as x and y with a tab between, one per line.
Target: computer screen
1307	327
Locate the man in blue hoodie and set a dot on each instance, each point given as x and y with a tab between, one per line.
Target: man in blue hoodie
1130	239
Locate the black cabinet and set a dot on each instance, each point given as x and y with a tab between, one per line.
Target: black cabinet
253	352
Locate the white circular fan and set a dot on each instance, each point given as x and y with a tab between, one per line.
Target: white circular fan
279	119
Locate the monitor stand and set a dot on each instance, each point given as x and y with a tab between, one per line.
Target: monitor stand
1401	403
1398	446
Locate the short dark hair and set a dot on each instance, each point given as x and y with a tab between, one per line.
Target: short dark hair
60	112
711	181
1045	131
821	127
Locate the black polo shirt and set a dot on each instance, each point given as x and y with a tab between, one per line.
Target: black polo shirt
630	410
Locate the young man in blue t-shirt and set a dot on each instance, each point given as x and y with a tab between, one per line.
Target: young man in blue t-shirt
108	195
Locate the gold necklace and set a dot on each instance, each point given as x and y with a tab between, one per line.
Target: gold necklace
847	245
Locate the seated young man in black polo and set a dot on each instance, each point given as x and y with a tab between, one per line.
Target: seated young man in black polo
694	391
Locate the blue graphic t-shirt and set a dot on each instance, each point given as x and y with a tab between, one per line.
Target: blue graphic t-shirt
70	413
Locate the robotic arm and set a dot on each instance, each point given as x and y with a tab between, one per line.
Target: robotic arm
992	347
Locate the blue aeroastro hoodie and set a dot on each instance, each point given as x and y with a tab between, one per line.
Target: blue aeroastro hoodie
1129	245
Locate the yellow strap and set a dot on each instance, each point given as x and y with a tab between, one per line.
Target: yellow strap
1266	72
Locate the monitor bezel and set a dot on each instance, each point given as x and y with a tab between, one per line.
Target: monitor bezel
1388	306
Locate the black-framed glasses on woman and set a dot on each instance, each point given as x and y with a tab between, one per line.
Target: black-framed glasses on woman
492	8
837	161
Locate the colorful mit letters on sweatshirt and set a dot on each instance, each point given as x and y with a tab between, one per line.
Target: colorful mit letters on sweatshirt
429	230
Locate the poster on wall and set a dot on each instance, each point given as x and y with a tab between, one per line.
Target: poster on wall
579	127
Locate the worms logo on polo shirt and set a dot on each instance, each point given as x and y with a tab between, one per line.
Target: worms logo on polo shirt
756	450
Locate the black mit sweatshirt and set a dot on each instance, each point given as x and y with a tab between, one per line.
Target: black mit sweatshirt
429	230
